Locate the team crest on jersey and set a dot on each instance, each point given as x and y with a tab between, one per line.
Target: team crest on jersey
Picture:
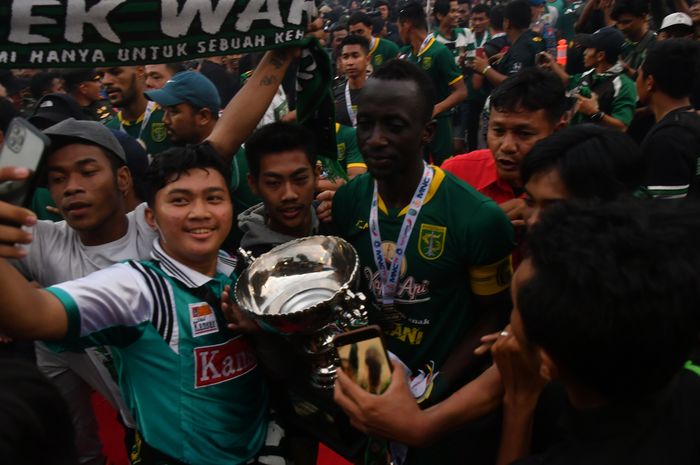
202	319
341	151
427	63
431	241
158	132
378	60
223	362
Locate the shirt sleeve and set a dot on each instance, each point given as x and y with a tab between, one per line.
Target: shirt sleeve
108	307
353	157
452	73
625	101
491	240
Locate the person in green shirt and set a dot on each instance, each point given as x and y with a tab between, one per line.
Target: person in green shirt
605	94
380	50
449	283
141	119
437	61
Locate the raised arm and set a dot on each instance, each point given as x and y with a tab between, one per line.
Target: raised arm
242	114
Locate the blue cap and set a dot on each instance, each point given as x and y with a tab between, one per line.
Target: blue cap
187	87
607	39
537	2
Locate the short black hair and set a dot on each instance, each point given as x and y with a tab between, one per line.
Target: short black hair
595	163
405	71
675	65
414	13
41	83
638	8
532	89
481	8
360	17
615	294
518	13
441	7
355	40
279	137
496	16
169	165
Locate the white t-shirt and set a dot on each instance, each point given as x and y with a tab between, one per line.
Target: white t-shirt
57	254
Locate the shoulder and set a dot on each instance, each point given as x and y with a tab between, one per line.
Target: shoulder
465	196
351	192
473	167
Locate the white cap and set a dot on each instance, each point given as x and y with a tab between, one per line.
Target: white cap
675	19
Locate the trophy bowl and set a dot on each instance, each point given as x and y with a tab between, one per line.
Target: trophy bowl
303	289
293	288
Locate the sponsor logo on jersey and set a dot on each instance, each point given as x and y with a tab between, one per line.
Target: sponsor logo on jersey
202	319
431	241
341	151
413	336
158	132
223	362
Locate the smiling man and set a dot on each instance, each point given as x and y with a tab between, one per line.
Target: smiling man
163	316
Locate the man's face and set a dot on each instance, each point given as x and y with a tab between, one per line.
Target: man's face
91	90
642	87
590	58
123	84
511	136
338	37
83	186
286	184
354	61
522	275
180	121
462	14
544	189
405	28
360	29
383	12
537	11
695	12
631	26
480	22
193	216
157	76
450	19
390	133
56	86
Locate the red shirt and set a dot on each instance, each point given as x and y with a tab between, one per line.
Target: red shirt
478	169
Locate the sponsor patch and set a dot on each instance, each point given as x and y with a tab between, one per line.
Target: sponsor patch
202	319
223	362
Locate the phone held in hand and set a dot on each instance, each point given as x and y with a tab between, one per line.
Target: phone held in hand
364	359
24	147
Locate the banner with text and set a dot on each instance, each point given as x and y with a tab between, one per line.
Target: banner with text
80	33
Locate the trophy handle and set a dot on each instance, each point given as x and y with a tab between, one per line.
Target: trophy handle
247	256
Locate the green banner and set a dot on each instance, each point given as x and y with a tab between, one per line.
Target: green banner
82	33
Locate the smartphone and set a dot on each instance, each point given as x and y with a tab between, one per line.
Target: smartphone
364	359
24	147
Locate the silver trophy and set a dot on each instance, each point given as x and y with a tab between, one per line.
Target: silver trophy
304	288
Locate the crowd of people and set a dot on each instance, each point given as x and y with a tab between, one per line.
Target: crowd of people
519	180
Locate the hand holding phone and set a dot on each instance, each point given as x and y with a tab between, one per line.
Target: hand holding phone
24	147
364	359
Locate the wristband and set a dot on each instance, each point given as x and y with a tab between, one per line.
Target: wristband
596	117
486	70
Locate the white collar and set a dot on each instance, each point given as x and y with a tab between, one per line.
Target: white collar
186	275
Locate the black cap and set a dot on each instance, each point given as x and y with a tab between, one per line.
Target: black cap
607	39
54	108
73	77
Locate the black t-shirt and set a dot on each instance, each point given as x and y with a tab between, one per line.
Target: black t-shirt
341	109
664	430
521	53
670	153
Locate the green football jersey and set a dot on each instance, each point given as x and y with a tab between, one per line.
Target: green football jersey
460	246
438	62
192	384
153	134
381	51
